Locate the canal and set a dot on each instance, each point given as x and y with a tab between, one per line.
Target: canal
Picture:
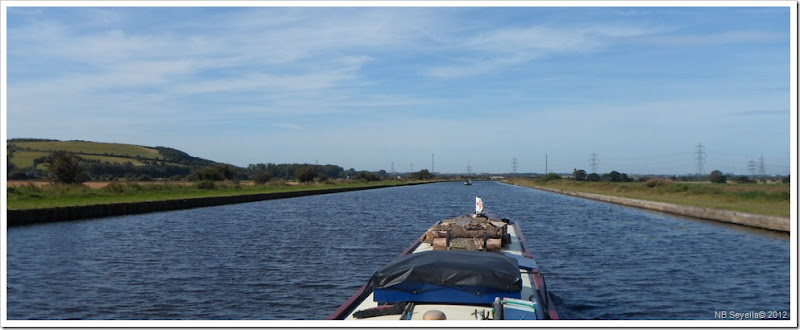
300	258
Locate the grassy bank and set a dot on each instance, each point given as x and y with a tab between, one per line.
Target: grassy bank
766	199
33	197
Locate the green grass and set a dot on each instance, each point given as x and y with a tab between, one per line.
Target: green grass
767	199
123	153
24	159
91	147
30	196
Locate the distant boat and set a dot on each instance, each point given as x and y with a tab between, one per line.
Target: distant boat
468	182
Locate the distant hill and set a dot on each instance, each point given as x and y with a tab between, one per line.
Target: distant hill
110	161
103	161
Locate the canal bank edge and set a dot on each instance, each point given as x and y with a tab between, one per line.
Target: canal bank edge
71	213
740	218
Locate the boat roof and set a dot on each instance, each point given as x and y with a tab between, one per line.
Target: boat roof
465	270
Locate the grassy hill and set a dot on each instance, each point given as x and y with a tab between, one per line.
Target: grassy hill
102	160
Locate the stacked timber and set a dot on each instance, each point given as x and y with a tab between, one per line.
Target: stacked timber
471	233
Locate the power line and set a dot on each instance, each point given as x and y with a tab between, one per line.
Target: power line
751	167
593	163
514	165
701	159
761	171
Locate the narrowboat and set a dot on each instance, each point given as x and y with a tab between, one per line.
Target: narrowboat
472	267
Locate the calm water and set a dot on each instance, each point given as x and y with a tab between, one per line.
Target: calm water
301	258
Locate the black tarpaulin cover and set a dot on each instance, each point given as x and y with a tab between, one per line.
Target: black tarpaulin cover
475	269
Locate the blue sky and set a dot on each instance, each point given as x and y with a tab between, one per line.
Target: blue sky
640	87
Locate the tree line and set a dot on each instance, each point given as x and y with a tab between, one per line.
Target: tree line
261	173
613	176
716	176
69	168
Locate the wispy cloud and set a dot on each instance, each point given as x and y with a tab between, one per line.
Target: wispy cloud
766	112
500	48
715	39
260	51
288	126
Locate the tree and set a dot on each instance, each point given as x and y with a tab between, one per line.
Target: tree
261	176
421	175
594	177
215	173
65	168
38	160
347	173
717	177
613	176
305	174
366	176
579	175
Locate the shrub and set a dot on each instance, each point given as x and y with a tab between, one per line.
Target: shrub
29	191
19	176
205	185
262	177
717	177
114	187
655	182
369	176
675	188
549	177
215	173
753	194
276	182
68	190
781	196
